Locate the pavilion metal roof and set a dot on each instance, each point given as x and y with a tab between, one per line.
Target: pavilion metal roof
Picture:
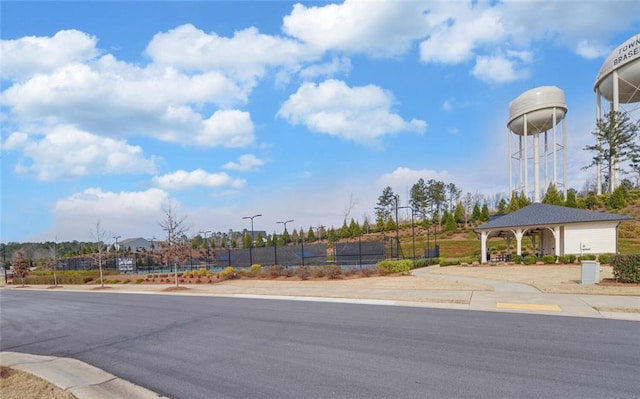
538	214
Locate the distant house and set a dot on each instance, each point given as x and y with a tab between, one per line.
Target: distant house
555	230
136	244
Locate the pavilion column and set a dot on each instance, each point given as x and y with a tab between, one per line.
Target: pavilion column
556	236
483	247
519	234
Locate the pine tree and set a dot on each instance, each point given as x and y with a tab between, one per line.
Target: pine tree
502	207
344	230
354	228
523	201
552	196
616	137
260	241
572	201
311	237
617	199
485	212
460	214
514	204
476	215
449	222
390	225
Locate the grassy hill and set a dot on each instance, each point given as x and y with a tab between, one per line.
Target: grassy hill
465	243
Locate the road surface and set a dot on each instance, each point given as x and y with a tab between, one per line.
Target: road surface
212	347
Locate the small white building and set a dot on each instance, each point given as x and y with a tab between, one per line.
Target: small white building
555	230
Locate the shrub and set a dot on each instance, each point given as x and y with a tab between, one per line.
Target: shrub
202	272
396	266
529	260
333	271
255	270
604	258
303	272
517	259
564	259
450	262
366	272
549	259
572	258
318	272
587	257
425	262
64	279
228	273
626	268
274	271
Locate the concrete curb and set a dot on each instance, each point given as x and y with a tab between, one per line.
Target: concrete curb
83	380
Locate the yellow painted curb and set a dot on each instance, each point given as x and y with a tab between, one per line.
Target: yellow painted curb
529	306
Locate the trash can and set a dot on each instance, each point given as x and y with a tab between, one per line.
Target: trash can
590	272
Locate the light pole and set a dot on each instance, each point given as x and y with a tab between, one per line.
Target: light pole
276	241
207	244
117	251
395	198
413	231
229	239
251	241
4	262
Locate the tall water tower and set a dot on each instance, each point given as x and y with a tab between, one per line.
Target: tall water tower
531	115
619	83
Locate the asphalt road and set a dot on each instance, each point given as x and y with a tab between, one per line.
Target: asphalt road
211	347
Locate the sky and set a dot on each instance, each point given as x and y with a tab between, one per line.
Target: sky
111	111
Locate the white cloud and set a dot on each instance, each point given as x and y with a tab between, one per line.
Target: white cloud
556	20
245	56
498	69
337	65
115	99
15	141
403	178
134	213
375	28
361	114
30	55
447	105
458	29
246	163
589	49
182	180
225	128
66	152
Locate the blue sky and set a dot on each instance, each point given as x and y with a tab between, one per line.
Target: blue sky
301	111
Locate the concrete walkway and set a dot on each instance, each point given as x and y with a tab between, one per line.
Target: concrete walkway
80	379
87	382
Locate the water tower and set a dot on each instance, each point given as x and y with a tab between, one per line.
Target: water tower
619	83
531	115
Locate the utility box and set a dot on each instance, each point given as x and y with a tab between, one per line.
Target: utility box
590	272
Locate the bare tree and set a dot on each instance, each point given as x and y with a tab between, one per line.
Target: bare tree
349	207
98	236
174	226
54	262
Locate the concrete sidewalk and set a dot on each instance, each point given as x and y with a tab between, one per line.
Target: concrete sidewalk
80	379
88	382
